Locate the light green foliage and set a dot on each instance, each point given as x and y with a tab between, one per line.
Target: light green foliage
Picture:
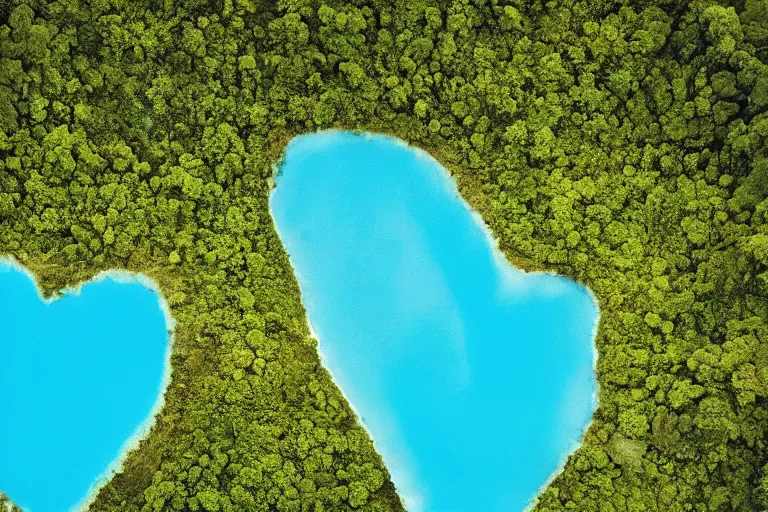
6	505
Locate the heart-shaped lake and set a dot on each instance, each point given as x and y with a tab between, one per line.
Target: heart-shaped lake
80	378
475	379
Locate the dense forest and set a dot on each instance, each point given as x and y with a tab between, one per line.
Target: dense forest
620	143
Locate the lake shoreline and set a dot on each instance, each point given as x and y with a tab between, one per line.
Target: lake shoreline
500	259
143	429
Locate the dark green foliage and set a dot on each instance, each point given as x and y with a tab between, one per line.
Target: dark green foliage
620	143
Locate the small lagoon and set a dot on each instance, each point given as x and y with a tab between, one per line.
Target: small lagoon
474	378
81	378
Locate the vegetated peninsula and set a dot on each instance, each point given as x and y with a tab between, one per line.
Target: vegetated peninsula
619	143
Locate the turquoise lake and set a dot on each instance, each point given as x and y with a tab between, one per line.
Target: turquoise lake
474	378
79	376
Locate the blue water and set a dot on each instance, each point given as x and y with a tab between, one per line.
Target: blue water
474	378
77	377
